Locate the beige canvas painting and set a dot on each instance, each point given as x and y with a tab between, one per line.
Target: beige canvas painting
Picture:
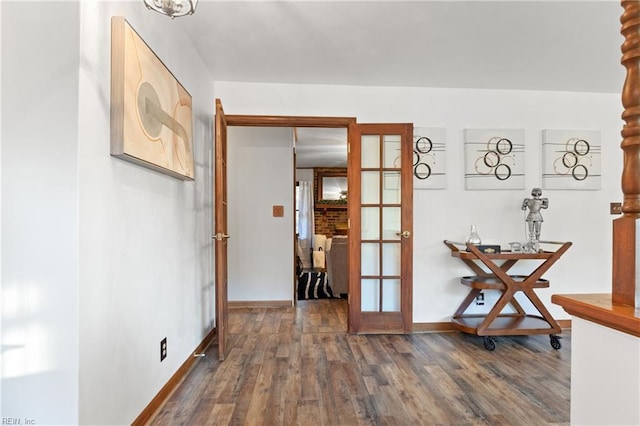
151	113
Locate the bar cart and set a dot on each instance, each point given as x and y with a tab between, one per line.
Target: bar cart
496	323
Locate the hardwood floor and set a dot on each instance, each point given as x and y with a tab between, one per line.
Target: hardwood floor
298	366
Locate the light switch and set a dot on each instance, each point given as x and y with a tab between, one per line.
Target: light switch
278	211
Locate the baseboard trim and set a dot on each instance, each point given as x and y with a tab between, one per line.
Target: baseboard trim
164	393
432	327
441	327
241	304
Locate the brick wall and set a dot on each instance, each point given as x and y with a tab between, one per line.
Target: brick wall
326	219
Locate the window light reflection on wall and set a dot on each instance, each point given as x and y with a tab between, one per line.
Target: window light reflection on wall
172	8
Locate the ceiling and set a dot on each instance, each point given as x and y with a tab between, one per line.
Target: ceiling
319	147
531	45
527	45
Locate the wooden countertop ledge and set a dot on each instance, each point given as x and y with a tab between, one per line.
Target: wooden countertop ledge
598	308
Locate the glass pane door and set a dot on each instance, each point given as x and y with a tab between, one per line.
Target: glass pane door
380	234
380	170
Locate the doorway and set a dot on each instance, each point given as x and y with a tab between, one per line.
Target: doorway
390	173
261	182
321	213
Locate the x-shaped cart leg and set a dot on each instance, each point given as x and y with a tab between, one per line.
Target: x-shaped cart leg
481	273
512	286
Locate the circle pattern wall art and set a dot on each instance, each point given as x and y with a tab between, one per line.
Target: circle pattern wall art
494	158
571	159
429	161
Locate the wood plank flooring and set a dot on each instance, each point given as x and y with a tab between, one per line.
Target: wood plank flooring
298	366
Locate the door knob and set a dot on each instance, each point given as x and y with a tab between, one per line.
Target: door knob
404	234
220	236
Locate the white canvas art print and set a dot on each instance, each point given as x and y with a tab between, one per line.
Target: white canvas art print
494	159
429	159
571	159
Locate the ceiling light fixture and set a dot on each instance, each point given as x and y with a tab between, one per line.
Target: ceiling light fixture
172	8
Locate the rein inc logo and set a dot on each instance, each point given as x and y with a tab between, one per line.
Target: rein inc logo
17	421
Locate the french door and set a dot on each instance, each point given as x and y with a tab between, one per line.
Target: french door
380	228
220	237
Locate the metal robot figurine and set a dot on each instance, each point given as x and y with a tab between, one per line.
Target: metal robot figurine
534	218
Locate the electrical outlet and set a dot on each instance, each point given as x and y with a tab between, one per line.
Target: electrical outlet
615	208
163	349
480	299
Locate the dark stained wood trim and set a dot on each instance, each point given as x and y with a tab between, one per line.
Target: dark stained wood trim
630	145
433	327
599	308
241	304
166	391
625	279
407	225
287	121
282	121
623	284
353	206
445	327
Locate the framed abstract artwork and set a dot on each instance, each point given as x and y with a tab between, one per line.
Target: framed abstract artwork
571	159
494	158
429	158
151	112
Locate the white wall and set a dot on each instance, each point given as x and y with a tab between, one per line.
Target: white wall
39	212
605	375
578	216
145	238
304	175
39	240
1	280
101	258
260	175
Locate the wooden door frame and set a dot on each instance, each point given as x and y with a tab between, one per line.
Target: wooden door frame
287	121
241	120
